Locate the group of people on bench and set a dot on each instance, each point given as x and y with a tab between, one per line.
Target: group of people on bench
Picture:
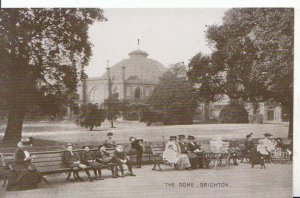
96	160
184	153
25	175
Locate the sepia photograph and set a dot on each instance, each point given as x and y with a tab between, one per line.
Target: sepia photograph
146	102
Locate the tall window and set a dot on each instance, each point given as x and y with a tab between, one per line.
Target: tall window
137	93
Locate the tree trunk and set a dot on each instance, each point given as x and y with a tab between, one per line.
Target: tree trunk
206	111
112	124
13	132
91	128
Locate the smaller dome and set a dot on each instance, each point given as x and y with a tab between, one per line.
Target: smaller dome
138	53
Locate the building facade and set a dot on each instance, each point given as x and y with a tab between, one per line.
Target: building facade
132	79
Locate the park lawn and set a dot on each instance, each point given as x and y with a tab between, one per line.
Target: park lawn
59	133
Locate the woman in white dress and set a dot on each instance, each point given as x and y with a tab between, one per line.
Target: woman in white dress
266	146
173	156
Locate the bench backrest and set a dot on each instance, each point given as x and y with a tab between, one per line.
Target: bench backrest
50	161
157	149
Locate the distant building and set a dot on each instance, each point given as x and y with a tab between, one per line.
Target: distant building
132	79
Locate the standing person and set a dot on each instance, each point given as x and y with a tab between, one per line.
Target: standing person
173	155
195	148
120	158
193	158
25	176
110	142
249	147
72	160
88	158
103	158
137	147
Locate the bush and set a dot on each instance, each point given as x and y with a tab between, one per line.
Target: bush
233	113
90	116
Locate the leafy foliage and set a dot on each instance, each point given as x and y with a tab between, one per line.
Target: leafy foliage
114	107
175	98
207	79
233	113
255	46
42	56
91	115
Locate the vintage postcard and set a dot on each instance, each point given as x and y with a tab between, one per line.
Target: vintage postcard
147	101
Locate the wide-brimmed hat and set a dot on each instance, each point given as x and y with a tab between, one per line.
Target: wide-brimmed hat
110	134
190	137
181	136
173	137
69	144
267	134
131	138
86	145
26	140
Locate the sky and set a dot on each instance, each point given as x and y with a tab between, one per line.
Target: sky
167	35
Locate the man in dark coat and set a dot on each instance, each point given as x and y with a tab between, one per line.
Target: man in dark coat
185	150
195	148
103	158
72	160
120	158
88	158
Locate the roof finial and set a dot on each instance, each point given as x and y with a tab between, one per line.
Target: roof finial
107	63
138	43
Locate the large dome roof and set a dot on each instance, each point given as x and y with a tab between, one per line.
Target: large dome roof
137	67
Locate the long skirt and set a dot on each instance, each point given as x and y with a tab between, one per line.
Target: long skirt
183	161
170	156
23	178
193	158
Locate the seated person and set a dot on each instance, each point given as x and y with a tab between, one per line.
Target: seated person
25	174
110	142
88	158
137	147
173	155
185	150
72	160
103	158
269	146
120	158
195	148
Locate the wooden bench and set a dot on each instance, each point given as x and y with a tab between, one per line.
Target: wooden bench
50	162
157	153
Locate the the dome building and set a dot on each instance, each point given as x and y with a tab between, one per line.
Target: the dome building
131	79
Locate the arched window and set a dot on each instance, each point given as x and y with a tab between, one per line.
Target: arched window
138	93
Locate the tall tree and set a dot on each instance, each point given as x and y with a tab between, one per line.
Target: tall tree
207	79
114	107
174	97
91	115
42	54
256	48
